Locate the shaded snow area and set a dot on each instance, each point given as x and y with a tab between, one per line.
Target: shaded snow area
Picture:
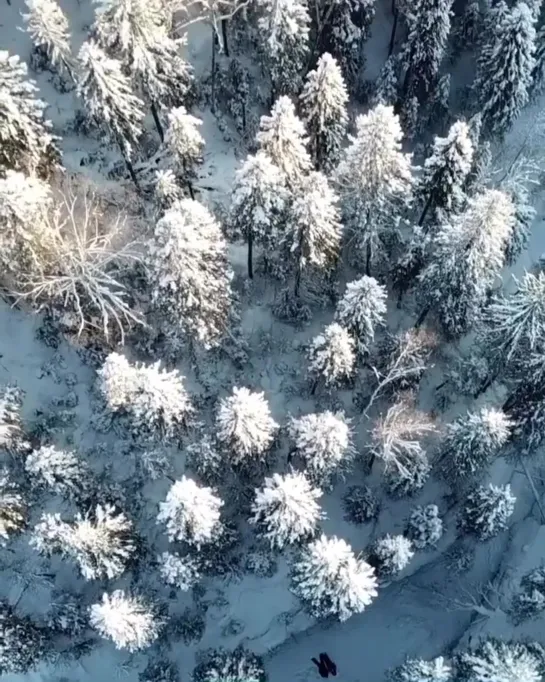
445	578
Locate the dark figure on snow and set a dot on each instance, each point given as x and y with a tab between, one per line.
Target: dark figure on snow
325	665
322	667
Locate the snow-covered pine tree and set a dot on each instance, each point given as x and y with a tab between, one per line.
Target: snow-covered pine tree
184	144
182	572
49	30
60	471
127	619
362	309
191	513
419	670
137	32
332	355
26	141
487	511
391	554
428	23
375	182
386	86
324	442
331	581
155	400
286	509
505	65
494	660
465	257
220	665
101	542
109	102
425	526
23	645
312	235
190	274
284	28
529	602
13	510
473	440
441	186
282	136
323	103
258	201
245	426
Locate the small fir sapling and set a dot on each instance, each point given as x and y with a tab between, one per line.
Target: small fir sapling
189	626
182	572
167	191
49	30
261	562
524	218
493	659
324	442
362	309
323	103
190	274
286	510
409	116
23	645
473	440
127	619
469	27
331	581
204	458
12	437
487	511
220	665
538	71
526	408
282	136
284	32
332	355
439	103
375	182
408	480
386	86
529	602
184	145
159	671
191	513
67	616
360	504
391	554
60	471
245	425
26	141
419	670
425	527
13	509
258	202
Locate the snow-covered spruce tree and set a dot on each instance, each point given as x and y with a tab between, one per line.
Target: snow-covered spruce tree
13	509
286	509
391	554
386	86
128	620
284	33
331	581
362	309
428	23
494	660
473	440
419	670
258	201
155	400
190	274
23	645
137	33
487	511
375	182
441	186
60	471
184	145
191	513
220	665
182	572
282	136
332	355
244	425
425	526
504	66
108	100
323	102
324	442
26	141
49	30
312	235
465	257
529	602
101	542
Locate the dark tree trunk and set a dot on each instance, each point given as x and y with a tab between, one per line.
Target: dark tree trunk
244	117
426	209
190	189
422	317
9	2
224	36
297	285
395	14
213	79
368	261
158	125
128	164
250	254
